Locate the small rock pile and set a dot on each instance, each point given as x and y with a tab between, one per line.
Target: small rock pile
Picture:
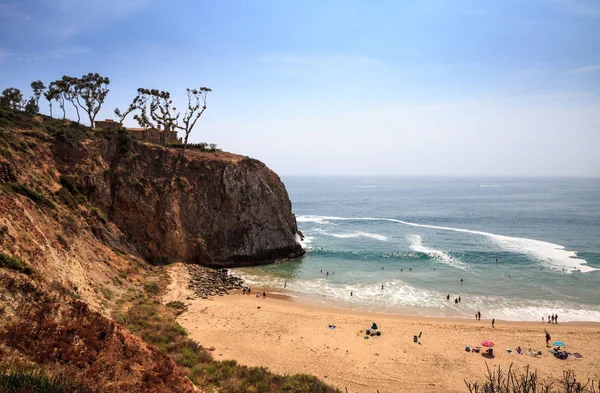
207	282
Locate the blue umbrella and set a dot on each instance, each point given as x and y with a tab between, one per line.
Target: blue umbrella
559	344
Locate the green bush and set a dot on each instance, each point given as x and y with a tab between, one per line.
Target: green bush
33	195
205	147
15	263
70	183
34	380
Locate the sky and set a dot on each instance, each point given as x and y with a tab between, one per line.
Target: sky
342	87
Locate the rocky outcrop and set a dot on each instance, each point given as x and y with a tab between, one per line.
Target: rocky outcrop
207	282
217	209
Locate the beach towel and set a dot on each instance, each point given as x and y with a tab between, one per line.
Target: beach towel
577	355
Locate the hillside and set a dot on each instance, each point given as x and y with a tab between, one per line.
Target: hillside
88	219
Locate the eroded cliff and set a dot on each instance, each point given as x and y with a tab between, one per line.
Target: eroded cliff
210	208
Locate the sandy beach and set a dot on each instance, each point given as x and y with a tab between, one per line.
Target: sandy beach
291	337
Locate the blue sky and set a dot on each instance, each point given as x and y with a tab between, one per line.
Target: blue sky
458	88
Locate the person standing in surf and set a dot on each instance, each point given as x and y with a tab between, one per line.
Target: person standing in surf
493	321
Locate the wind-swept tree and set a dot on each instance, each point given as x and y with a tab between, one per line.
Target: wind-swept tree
90	92
12	98
56	90
38	88
139	102
68	85
49	95
195	109
161	112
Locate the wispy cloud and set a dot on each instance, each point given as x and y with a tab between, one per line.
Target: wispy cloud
4	55
586	69
319	66
54	54
72	17
12	10
585	8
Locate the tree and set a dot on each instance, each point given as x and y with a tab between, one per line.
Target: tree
161	112
32	107
139	102
92	90
68	85
195	109
38	88
12	98
56	90
50	96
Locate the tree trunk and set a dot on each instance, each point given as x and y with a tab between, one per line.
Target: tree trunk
51	111
91	120
77	110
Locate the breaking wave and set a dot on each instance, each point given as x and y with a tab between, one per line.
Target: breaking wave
550	255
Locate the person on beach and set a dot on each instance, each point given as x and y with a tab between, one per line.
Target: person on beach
264	294
548	318
448	297
459	300
542	319
327	274
496	260
350	293
456	301
461	280
382	286
493	321
548	338
285	284
244	291
479	315
555	318
249	289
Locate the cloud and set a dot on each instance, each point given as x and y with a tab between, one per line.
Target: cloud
54	54
321	67
12	11
584	8
586	69
4	55
72	17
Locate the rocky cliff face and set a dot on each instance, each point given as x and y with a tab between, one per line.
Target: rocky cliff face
217	209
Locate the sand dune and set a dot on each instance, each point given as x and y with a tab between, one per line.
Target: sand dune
290	337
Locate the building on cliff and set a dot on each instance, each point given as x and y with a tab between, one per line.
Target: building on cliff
151	135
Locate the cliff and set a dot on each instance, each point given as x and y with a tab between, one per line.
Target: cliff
210	208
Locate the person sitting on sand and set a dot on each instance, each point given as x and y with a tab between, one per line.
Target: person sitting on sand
519	351
244	291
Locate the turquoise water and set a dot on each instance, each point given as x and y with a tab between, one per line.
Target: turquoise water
419	237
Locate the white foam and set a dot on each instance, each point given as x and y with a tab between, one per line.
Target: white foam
416	244
488	186
354	235
315	219
551	255
400	297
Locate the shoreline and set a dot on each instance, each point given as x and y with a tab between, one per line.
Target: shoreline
289	337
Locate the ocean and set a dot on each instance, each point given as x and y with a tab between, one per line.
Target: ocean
418	237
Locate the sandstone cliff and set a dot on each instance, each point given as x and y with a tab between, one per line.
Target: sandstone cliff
211	208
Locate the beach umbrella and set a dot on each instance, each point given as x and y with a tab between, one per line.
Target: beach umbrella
559	344
487	343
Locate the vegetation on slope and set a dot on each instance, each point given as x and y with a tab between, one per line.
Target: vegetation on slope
156	324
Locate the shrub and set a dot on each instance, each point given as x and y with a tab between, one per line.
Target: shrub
33	379
529	382
202	146
151	288
69	182
14	263
33	195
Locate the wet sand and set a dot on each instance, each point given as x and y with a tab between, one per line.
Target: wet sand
290	337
